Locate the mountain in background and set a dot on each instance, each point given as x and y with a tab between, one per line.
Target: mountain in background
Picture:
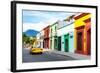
31	32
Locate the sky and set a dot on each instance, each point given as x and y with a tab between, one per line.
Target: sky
37	20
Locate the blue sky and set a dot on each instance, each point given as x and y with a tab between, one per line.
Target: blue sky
30	16
37	20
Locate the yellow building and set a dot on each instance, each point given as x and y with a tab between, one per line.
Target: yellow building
82	33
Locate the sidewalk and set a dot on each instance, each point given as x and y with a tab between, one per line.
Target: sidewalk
46	49
73	55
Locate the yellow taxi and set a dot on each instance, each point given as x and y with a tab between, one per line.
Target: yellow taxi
36	51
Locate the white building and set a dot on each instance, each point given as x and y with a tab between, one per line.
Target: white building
38	39
65	34
41	38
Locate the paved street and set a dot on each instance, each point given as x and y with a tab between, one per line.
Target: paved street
45	56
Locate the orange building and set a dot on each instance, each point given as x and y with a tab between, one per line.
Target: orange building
83	33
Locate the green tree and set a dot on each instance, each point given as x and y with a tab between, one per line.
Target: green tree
26	39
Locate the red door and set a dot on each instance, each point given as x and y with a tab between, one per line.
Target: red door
80	40
89	42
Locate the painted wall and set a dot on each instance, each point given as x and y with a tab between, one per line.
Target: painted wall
81	22
68	29
71	42
40	37
46	32
53	33
38	40
46	37
52	43
53	30
63	42
65	29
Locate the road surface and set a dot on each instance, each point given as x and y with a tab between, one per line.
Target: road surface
44	57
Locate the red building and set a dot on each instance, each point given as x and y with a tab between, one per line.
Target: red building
83	33
88	36
46	37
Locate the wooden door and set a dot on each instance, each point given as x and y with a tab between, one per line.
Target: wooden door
89	42
79	41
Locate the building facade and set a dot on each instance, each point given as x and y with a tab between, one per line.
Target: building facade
41	38
38	40
53	36
83	33
46	40
65	34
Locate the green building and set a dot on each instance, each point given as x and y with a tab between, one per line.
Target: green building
65	33
53	36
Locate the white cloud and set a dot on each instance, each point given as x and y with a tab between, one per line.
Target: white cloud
38	26
46	15
49	19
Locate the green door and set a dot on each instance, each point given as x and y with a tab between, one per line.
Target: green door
66	38
55	43
59	43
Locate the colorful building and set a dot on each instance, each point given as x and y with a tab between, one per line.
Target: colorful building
53	36
70	35
46	40
82	31
65	34
38	40
41	38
